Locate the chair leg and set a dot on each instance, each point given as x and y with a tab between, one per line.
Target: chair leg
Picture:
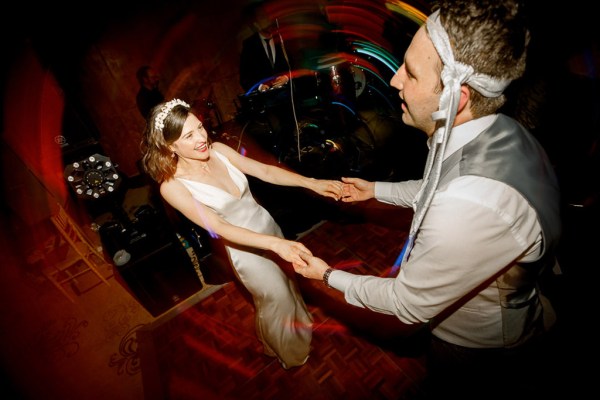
95	271
62	289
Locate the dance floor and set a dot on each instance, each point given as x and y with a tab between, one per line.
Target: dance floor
210	350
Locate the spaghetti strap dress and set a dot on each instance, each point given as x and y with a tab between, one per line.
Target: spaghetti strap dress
283	322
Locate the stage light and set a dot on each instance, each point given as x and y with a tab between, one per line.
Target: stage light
93	177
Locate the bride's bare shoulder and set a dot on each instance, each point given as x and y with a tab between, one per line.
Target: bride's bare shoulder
170	185
221	147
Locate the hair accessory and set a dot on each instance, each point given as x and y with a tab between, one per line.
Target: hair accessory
454	74
159	121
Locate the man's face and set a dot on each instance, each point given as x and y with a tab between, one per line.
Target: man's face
152	79
263	23
418	80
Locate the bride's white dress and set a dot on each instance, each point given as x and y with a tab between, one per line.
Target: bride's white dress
283	322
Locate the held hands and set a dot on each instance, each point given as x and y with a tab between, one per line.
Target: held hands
290	251
312	267
348	190
356	189
328	188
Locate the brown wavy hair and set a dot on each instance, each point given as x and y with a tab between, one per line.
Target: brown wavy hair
158	159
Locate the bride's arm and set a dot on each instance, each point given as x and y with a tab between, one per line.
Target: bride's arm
179	197
279	176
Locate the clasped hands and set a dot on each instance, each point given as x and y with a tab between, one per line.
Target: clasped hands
291	252
346	190
357	189
312	267
302	260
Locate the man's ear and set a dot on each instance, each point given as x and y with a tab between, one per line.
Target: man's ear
465	96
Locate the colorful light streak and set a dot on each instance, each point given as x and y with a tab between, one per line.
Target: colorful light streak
410	12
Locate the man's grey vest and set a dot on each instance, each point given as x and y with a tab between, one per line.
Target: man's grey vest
508	153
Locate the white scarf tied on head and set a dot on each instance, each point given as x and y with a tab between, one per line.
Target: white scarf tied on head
454	74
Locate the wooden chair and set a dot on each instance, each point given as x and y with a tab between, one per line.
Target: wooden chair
73	255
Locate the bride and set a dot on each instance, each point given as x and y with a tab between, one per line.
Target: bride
207	183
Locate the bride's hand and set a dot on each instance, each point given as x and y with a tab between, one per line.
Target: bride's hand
314	267
290	251
329	188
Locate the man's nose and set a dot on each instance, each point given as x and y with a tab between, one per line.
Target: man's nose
396	81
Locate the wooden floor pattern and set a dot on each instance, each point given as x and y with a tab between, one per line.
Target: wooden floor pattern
211	351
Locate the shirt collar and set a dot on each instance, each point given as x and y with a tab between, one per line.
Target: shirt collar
464	133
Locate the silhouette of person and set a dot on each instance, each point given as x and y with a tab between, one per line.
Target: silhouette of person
149	93
262	57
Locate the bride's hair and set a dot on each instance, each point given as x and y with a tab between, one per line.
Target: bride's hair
163	127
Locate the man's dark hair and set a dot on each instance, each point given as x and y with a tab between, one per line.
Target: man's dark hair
142	72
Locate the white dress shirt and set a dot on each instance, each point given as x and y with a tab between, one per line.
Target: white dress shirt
475	228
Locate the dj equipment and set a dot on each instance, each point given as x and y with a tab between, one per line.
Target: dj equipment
325	121
158	270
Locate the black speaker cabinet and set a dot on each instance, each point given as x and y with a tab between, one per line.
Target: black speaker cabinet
160	273
214	261
157	269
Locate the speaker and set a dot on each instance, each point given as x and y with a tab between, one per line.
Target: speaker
157	269
160	273
213	259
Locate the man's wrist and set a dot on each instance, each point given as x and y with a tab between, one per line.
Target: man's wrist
326	274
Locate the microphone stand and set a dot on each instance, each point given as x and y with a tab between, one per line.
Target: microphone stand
287	60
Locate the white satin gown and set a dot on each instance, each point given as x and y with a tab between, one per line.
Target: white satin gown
283	322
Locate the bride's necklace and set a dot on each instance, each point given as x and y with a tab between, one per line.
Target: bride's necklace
204	166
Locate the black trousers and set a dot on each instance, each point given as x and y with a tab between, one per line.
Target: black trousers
527	371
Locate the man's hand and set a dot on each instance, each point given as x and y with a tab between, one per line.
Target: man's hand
328	188
313	268
290	251
280	81
356	189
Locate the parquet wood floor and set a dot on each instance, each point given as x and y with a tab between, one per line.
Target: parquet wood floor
211	351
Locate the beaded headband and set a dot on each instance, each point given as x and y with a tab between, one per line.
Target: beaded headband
159	121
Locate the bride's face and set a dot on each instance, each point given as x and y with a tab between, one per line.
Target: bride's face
193	142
